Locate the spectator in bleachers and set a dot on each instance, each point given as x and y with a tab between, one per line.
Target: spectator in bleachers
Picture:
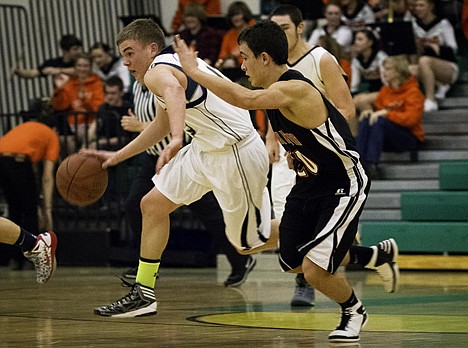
356	13
71	48
22	150
229	59
395	124
436	45
80	97
334	27
203	38
366	68
110	135
106	64
212	8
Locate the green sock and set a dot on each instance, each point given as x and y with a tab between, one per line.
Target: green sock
147	272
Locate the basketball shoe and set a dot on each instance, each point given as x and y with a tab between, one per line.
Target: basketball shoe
304	293
237	278
353	319
384	261
43	256
139	302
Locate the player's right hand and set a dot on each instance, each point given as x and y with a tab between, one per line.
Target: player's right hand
109	158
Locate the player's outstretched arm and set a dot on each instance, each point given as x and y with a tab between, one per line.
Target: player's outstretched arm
233	93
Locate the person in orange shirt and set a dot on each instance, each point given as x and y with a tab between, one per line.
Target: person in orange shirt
229	59
212	8
80	97
21	150
396	123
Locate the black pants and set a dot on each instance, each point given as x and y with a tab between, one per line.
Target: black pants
19	186
206	209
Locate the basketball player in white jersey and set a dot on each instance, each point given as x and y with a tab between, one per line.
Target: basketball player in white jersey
226	156
323	208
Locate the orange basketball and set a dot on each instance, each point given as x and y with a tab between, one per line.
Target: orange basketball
81	180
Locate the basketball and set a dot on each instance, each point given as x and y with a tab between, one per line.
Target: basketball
80	179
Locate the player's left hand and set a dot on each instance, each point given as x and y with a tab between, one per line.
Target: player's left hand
187	56
170	150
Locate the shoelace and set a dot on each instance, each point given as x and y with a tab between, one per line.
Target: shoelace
40	262
345	317
127	298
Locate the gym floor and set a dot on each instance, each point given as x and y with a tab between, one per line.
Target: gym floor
196	310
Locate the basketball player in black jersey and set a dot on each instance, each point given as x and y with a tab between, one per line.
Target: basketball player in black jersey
322	211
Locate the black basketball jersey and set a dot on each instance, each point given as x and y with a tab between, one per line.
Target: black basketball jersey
325	156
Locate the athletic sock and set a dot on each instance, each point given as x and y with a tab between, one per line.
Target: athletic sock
26	240
360	255
147	272
350	302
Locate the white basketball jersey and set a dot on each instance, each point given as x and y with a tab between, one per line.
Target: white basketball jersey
213	122
309	66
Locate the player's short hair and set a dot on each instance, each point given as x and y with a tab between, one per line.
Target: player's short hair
68	41
266	36
288	10
144	30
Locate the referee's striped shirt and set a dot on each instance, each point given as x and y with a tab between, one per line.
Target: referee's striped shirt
145	110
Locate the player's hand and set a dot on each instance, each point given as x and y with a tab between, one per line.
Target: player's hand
131	123
170	150
187	56
272	146
109	158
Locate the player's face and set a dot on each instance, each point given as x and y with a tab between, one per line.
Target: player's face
293	33
137	57
252	66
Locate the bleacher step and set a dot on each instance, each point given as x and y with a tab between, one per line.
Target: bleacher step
435	206
422	237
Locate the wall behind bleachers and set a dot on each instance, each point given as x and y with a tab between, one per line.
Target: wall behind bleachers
30	31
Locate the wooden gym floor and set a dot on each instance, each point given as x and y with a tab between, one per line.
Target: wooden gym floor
195	310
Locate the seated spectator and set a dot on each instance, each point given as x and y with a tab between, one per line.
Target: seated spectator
366	67
395	125
229	59
110	135
80	97
212	8
106	64
356	13
204	39
436	46
334	27
71	48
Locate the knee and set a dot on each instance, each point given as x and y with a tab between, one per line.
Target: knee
148	206
424	61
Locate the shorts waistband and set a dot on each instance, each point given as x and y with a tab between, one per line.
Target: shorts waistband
18	157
